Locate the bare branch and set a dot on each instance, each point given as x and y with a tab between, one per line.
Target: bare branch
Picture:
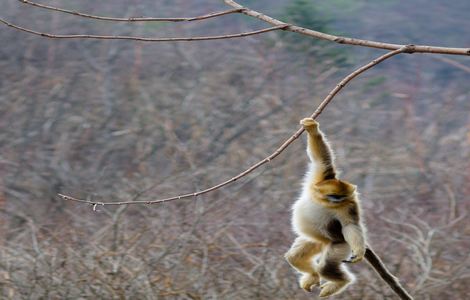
142	39
133	19
375	261
237	9
345	40
318	111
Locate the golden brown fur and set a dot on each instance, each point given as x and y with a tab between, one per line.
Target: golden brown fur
326	218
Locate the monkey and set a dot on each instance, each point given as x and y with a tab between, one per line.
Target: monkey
327	220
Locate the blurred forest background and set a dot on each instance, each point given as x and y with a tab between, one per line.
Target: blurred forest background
122	120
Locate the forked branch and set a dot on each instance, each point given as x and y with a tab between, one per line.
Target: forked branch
237	8
344	40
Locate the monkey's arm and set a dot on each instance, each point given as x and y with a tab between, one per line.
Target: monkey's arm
354	235
319	151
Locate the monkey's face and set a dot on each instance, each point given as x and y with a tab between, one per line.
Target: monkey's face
334	192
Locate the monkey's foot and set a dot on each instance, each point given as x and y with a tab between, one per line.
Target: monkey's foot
333	287
309	123
308	281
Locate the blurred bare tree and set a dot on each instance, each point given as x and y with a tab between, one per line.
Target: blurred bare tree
124	121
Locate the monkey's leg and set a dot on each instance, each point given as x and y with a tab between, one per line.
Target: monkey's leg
300	257
330	269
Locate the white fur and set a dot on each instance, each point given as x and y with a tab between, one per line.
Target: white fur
307	216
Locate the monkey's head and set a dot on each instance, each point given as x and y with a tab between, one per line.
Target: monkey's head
334	192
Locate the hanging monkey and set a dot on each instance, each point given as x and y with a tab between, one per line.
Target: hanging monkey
326	218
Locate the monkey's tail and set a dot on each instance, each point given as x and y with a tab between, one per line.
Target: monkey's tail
388	277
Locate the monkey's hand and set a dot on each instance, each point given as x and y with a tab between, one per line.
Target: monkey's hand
309	124
357	256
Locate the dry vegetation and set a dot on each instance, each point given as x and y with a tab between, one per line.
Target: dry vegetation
117	120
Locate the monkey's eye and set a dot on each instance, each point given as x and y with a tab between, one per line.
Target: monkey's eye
336	198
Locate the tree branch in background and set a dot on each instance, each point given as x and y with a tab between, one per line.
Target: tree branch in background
318	111
133	19
142	39
453	63
345	40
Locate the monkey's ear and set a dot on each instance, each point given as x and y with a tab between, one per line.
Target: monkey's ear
354	188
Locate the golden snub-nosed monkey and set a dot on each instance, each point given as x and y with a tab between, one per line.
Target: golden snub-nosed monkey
326	218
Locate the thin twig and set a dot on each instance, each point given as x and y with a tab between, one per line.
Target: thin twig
133	19
142	39
453	63
344	40
318	111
